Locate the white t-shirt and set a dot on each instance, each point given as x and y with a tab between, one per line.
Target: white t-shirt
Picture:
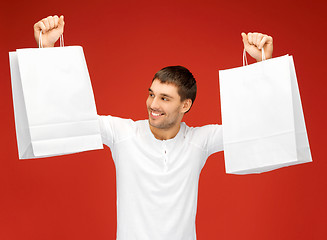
157	180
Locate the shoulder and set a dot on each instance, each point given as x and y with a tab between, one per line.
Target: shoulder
203	136
110	121
119	128
203	131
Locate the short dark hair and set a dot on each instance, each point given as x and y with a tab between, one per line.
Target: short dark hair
182	78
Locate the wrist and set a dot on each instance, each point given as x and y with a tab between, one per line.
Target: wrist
48	46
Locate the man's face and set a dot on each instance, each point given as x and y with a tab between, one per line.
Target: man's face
164	105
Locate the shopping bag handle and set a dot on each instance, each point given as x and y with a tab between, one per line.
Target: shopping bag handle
245	60
61	40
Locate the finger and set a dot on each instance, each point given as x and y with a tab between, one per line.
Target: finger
46	24
40	26
245	39
254	38
259	38
51	22
56	20
250	37
262	42
61	22
269	39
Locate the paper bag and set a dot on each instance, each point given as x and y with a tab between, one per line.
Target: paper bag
262	117
54	106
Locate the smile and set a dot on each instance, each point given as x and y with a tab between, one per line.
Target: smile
156	115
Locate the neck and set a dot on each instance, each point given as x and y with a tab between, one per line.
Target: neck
165	134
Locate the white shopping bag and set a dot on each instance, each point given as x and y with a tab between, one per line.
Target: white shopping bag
54	106
262	117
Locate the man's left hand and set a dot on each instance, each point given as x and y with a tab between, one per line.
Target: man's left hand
254	42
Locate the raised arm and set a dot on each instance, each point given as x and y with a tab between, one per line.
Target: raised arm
52	28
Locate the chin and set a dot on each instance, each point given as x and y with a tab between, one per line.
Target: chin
157	125
153	124
161	125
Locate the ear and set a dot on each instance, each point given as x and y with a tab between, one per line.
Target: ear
187	103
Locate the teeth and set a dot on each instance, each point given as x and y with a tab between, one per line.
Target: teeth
155	114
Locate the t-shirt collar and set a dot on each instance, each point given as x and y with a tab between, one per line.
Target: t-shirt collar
171	140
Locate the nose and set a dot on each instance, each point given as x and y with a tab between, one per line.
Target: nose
154	104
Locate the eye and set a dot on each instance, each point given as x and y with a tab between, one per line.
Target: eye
151	94
165	99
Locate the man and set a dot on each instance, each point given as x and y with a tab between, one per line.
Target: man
158	161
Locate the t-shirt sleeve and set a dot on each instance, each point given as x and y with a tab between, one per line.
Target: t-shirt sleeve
114	129
210	138
215	141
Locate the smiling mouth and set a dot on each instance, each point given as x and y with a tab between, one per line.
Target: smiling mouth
155	114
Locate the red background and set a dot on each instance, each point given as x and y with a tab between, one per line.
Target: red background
125	43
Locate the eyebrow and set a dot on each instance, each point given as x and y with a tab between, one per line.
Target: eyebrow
162	94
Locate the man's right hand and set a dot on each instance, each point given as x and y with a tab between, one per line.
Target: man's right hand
52	27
